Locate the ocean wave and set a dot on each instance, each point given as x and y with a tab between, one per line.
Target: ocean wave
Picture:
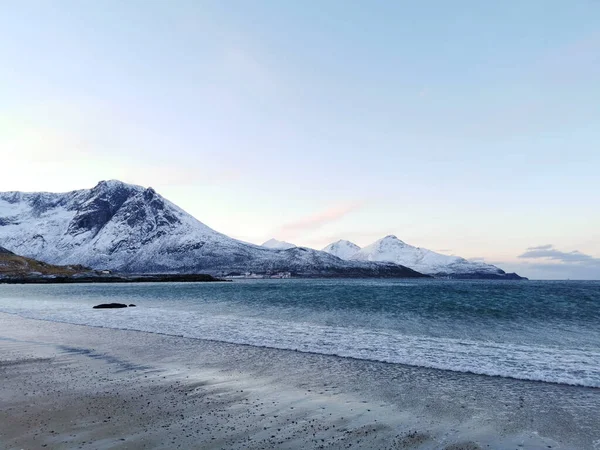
570	366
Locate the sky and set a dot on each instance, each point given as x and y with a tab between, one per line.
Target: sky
467	127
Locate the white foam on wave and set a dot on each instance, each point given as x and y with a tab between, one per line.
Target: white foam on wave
528	362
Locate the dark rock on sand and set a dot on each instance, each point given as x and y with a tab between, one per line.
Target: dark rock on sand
110	305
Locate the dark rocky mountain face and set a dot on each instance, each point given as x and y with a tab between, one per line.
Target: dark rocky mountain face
103	204
132	229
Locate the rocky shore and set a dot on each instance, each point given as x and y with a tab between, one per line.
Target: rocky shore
101	278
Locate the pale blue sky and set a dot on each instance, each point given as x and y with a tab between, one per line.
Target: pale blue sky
470	127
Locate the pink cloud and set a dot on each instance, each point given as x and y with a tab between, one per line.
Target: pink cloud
318	220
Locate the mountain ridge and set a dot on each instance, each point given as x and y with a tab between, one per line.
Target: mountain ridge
132	229
392	249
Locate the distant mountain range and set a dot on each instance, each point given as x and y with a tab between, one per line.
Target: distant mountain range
131	229
392	249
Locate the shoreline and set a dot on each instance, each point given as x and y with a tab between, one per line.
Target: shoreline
378	405
198	278
116	278
440	371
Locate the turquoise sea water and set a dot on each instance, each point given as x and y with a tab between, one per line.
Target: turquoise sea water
546	331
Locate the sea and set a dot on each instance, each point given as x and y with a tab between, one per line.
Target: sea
547	331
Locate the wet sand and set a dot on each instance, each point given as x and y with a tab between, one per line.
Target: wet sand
71	386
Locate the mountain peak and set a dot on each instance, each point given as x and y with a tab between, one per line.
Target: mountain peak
112	185
278	245
150	194
344	241
391	238
392	249
102	203
342	249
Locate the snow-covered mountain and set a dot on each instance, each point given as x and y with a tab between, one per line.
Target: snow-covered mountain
342	249
132	229
392	249
278	245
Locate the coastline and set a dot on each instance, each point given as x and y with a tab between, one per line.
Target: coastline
116	278
94	387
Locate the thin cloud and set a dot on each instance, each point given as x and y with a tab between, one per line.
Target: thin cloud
548	252
318	220
544	262
536	269
541	247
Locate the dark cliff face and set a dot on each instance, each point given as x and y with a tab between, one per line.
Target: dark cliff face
104	201
143	210
149	208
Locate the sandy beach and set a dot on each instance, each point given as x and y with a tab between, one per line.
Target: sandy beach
72	386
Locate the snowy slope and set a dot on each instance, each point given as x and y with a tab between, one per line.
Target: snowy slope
129	228
392	249
342	249
278	245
